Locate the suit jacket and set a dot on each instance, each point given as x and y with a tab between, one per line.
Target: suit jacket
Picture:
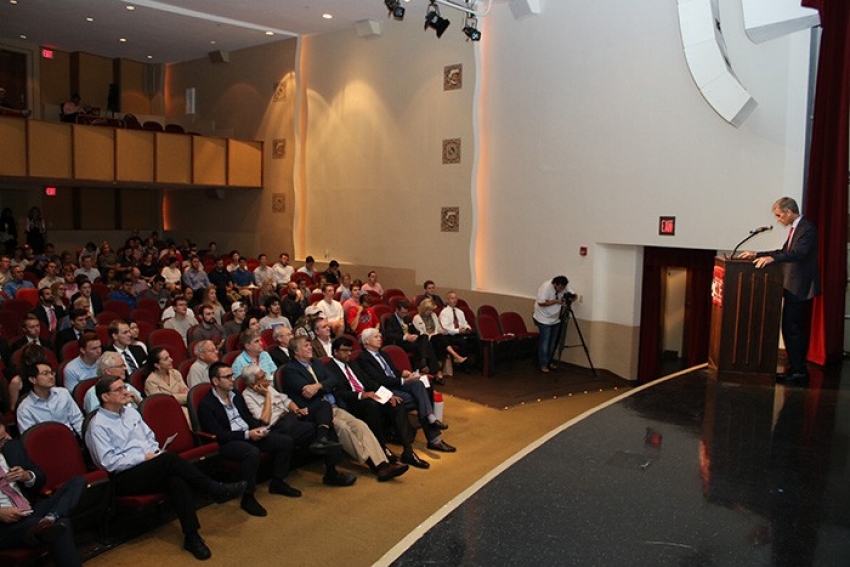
214	419
344	391
138	353
96	302
393	332
15	455
372	369
41	313
22	342
295	377
801	275
64	337
278	356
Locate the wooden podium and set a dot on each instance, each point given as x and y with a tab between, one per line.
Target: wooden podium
745	317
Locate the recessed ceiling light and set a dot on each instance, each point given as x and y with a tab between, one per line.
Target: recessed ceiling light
212	42
269	33
13	1
150	56
327	16
131	8
89	19
123	40
23	36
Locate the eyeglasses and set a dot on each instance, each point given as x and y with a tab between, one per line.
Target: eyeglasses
119	389
226	377
47	373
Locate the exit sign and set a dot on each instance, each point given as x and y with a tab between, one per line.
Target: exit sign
667	226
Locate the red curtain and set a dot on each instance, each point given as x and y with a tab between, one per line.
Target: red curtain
826	197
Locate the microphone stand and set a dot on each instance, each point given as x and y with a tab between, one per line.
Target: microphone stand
742	242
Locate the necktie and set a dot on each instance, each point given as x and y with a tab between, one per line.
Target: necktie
455	319
384	365
312	373
788	242
355	383
18	500
131	364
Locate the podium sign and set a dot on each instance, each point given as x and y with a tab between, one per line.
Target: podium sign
745	315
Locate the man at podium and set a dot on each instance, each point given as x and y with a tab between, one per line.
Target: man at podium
801	283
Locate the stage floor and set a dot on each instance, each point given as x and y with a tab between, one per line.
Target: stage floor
686	471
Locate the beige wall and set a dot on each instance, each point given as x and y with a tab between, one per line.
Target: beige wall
238	99
135	79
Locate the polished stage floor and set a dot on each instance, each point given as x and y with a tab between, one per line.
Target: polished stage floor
686	471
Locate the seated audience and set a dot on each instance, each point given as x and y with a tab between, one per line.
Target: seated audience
16	281
280	352
294	303
111	364
332	273
406	385
183	318
84	289
210	297
158	292
171	273
79	320
27	516
206	354
428	324
121	443
274	315
344	288
46	311
51	275
460	337
125	293
430	287
160	377
46	402
372	284
332	310
253	353
195	276
308	267
207	328
241	437
234	326
83	366
282	270
353	299
363	316
122	343
30	334
323	339
398	330
263	272
87	268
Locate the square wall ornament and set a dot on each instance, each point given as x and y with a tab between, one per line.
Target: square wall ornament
450	219
279	148
278	202
453	77
451	151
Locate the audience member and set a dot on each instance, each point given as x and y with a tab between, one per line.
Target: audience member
85	289
332	310
31	334
16	281
111	364
372	284
332	273
46	402
263	272
124	293
429	286
308	267
121	443
79	319
282	270
83	366
398	330
363	316
87	268
323	339
160	377
280	353
294	303
206	354
183	319
274	316
51	275
253	353
48	314
122	343
158	292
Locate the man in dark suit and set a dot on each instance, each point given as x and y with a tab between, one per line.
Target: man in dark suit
122	343
79	320
378	366
85	290
25	520
47	313
399	331
280	353
241	437
801	283
31	330
356	393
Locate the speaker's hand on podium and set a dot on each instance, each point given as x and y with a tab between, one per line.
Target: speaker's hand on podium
746	256
763	261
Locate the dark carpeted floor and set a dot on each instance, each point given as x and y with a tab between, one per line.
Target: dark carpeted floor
521	383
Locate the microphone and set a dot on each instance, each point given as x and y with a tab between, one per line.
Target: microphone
761	229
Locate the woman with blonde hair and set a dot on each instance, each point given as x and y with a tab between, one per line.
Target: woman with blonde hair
428	324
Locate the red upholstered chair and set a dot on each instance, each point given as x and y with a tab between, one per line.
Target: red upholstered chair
60	374
470	316
462	304
145	330
185	366
137	380
381	310
81	389
164	415
392	292
268	336
55	449
229	357
102	331
70	351
494	343
170	339
512	323
28	294
298	276
153	126
357	346
106	317
120	307
400	359
101	289
393	301
315	297
10	322
20	306
48	355
149	304
489	310
144	315
175	129
196	394
232	343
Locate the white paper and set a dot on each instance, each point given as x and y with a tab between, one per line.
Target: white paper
424	379
383	394
168	442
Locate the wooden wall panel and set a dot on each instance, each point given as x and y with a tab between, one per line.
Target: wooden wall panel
134	155
209	160
173	158
244	163
13	146
94	153
49	149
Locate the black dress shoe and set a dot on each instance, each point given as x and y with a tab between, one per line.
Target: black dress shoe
227	490
413	460
792	378
339	479
249	504
282	488
46	531
391	457
439	425
323	444
195	545
441	446
386	471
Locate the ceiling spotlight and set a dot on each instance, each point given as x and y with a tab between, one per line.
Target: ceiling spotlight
433	19
396	9
470	28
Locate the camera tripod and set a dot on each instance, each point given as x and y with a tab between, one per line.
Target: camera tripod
566	315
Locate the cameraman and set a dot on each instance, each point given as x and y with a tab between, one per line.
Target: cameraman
551	298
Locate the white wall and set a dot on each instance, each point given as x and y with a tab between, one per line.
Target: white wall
595	129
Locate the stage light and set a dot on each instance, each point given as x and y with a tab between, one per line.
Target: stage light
434	20
470	28
396	9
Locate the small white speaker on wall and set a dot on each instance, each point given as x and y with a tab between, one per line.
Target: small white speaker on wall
367	28
524	8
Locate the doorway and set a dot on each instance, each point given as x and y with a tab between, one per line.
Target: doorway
13	78
675	309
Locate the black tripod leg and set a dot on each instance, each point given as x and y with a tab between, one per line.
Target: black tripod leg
583	344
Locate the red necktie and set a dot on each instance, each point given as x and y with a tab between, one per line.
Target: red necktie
788	242
454	315
51	319
355	383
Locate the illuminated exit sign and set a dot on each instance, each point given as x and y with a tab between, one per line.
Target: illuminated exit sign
47	53
667	226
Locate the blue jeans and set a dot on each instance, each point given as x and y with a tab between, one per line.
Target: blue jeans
546	343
